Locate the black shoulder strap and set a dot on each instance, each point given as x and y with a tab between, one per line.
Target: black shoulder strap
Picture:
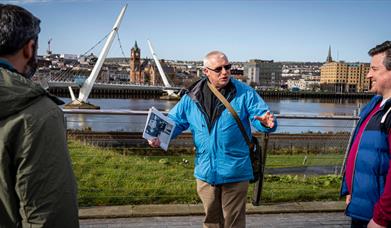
384	124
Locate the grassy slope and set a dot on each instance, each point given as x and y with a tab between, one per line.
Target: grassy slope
106	177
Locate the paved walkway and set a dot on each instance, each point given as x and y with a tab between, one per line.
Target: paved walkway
197	209
291	220
301	214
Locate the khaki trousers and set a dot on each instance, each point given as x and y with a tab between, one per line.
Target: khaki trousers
224	205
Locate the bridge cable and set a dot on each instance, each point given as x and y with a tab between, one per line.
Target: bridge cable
120	45
100	41
63	73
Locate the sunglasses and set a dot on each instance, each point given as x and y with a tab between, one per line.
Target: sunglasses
220	68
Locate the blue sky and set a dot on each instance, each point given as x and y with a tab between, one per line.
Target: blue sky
247	29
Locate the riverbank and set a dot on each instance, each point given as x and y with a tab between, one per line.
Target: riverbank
111	177
313	94
129	91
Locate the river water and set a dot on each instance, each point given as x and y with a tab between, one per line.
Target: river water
283	106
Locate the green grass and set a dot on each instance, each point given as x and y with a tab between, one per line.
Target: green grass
279	161
110	177
286	188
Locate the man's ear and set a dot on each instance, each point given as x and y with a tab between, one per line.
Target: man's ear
28	49
205	71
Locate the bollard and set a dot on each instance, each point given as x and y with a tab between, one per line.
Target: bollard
305	160
256	200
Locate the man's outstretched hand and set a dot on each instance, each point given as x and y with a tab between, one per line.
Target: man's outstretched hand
154	142
267	120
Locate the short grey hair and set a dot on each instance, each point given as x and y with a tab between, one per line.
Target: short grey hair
218	54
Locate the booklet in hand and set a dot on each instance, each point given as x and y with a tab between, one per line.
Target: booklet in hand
158	126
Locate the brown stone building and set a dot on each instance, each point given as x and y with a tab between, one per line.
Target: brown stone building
135	65
145	71
343	77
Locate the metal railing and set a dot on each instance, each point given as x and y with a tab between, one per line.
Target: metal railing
143	112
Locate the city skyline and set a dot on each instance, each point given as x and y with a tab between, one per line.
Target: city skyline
187	30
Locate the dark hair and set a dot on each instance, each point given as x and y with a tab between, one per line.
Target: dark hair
17	27
386	48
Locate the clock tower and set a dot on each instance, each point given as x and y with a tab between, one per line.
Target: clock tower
135	64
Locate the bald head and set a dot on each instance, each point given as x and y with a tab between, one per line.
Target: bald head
217	68
212	57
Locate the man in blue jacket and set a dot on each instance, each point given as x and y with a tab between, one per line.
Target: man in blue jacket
367	177
222	164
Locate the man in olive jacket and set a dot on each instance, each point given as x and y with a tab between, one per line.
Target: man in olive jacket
37	184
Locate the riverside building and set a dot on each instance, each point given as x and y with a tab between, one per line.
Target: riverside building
342	77
145	71
263	73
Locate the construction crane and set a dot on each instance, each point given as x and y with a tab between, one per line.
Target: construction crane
49	52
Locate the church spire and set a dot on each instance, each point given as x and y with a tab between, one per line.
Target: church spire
329	59
135	47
